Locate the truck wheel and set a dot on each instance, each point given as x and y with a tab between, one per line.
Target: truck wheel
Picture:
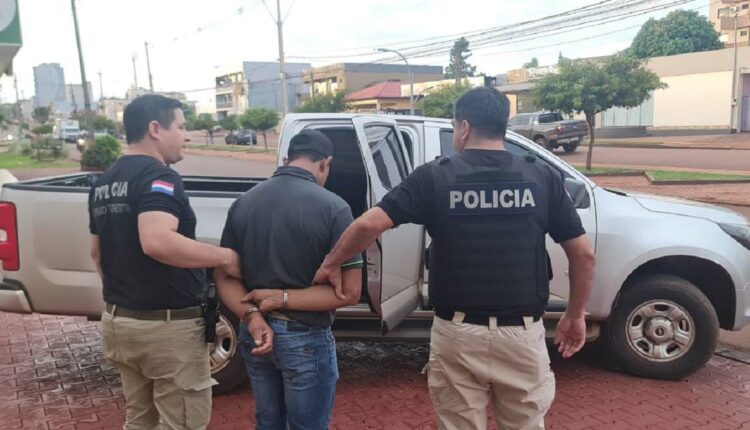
571	147
662	327
542	141
229	140
227	366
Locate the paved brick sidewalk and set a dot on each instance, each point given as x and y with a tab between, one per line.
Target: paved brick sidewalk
52	376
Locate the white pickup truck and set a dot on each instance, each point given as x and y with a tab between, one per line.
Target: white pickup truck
669	273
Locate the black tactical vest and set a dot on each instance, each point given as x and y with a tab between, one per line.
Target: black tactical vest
488	251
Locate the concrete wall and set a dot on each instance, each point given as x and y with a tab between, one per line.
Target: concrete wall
694	101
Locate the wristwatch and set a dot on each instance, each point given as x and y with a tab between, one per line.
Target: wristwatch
246	315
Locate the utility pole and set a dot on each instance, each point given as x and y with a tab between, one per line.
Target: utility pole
733	128
148	65
312	84
101	87
86	99
19	114
459	66
282	71
135	74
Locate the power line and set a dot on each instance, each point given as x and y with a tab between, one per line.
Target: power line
596	14
509	39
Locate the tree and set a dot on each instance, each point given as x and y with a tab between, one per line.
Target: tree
41	114
229	123
42	129
439	104
261	120
205	122
680	32
101	123
593	86
462	53
533	63
335	102
105	151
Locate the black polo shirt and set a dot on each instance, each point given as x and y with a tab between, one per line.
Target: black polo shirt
135	184
282	229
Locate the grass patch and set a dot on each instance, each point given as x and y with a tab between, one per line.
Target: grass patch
18	161
671	175
666	175
233	148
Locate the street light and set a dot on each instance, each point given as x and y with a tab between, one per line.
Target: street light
411	78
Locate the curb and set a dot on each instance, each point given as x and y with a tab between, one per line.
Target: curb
667	146
611	174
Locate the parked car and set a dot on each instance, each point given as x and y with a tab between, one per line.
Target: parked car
550	130
241	137
659	297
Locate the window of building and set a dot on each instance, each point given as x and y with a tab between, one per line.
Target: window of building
743	33
725	11
746	6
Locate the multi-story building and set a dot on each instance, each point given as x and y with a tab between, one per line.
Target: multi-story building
74	96
49	87
730	18
255	84
351	77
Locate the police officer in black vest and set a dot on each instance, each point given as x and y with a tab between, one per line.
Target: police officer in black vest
488	212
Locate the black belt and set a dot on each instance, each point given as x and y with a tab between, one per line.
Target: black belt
157	314
478	319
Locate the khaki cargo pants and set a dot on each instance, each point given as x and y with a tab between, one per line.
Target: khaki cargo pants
471	364
165	371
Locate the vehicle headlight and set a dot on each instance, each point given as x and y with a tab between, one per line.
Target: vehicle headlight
740	233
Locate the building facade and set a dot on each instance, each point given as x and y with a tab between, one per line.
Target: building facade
257	84
351	77
49	87
730	18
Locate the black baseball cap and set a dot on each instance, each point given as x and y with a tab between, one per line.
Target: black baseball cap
312	141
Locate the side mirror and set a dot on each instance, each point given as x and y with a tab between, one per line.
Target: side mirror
577	191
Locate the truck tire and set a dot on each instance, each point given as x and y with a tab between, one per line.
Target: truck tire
543	142
230	139
662	327
571	147
227	366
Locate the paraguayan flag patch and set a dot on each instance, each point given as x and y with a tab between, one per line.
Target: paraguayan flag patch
162	187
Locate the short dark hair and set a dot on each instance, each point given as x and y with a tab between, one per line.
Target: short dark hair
310	155
486	110
144	109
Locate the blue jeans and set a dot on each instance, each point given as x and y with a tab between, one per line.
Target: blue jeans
294	385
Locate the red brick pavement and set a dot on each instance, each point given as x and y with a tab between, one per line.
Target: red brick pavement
52	376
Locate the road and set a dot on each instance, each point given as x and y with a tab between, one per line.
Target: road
204	165
709	159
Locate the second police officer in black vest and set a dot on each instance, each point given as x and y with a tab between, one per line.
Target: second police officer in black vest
488	212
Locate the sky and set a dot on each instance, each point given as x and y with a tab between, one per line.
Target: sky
191	40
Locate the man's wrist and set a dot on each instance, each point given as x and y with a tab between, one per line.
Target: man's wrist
575	315
250	312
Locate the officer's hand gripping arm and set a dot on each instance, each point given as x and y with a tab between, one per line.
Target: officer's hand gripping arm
355	239
313	298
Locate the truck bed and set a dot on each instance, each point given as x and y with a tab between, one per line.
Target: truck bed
199	186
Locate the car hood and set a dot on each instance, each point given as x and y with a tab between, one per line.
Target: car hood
676	206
